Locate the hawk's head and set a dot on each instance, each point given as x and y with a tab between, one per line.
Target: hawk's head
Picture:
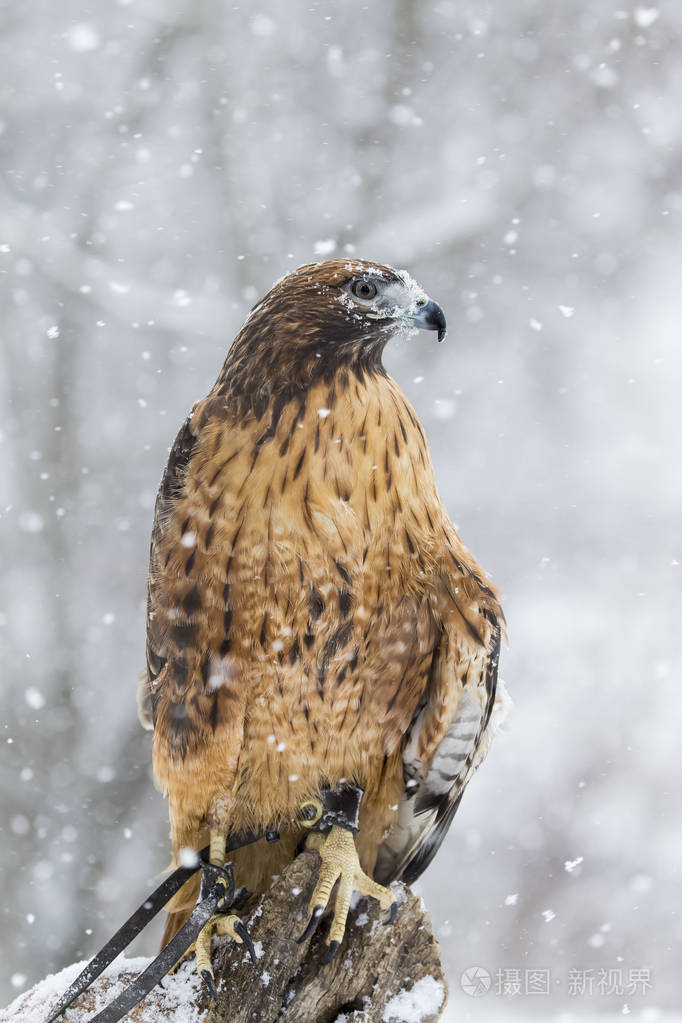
325	316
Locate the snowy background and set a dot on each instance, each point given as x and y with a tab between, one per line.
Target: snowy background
163	161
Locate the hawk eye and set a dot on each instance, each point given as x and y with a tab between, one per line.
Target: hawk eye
364	290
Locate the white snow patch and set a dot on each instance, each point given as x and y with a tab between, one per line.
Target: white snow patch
567	311
511	900
570	865
424	999
177	999
548	915
400	892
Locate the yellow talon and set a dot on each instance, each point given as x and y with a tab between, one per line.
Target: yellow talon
219	926
340	863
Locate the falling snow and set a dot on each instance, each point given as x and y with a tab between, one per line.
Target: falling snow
158	176
324	247
570	865
83	37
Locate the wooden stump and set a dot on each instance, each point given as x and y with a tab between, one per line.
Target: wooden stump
374	964
380	973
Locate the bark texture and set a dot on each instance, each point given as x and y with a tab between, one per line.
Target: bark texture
372	966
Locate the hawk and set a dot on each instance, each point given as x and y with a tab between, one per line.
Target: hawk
314	620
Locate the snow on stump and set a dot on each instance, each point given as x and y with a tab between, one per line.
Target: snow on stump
380	974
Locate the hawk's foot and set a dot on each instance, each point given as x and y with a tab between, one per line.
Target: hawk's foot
220	924
340	863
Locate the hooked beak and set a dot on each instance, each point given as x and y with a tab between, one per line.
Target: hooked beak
430	317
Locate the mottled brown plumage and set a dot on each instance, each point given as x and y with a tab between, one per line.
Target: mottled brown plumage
313	615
